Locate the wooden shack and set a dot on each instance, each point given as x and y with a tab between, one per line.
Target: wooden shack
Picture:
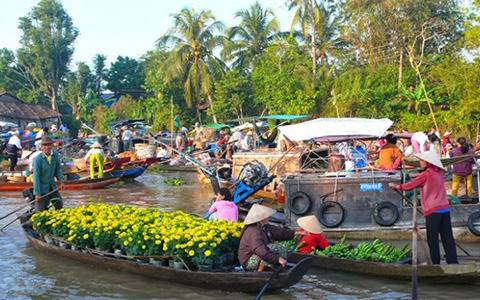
17	111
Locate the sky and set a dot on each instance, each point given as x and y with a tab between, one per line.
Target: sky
125	27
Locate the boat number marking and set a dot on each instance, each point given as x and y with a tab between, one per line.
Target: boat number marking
367	187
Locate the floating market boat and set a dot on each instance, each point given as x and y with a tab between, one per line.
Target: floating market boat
358	201
227	281
468	268
86	184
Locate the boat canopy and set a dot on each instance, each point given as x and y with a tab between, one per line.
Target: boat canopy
272	117
335	127
216	126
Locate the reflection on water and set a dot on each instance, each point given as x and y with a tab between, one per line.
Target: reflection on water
26	273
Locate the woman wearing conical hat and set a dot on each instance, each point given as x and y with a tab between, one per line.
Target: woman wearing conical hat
257	249
435	206
97	157
315	239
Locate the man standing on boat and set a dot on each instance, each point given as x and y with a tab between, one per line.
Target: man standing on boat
13	146
435	206
46	167
127	136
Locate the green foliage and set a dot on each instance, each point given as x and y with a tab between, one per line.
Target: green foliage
47	42
174	182
125	76
233	97
281	81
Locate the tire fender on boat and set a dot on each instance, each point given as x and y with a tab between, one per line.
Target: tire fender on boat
330	205
299	197
471	223
385	205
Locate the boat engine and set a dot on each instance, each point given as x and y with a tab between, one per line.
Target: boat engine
252	173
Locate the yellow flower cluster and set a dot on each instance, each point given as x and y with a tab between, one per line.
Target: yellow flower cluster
140	231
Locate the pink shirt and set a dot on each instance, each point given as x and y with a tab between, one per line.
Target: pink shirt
432	190
226	210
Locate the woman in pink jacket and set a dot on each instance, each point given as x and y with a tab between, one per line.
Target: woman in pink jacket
223	208
435	206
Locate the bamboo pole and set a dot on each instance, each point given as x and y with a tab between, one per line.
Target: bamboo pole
414	252
171	121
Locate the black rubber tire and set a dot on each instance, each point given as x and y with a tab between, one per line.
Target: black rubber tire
385	205
299	196
328	205
471	220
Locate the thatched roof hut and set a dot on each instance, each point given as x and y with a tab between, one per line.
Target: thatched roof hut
17	111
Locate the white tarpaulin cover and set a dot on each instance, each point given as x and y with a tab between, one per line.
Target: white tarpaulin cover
330	127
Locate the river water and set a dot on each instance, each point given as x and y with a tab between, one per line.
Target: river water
26	273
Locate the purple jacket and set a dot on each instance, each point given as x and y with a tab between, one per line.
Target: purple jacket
463	168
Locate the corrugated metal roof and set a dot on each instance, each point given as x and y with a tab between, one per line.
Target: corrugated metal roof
11	106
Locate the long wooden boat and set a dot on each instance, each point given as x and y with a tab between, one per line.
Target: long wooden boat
227	281
130	169
468	268
87	184
176	168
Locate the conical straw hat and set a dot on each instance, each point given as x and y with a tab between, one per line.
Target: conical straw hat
310	224
257	213
431	157
96	145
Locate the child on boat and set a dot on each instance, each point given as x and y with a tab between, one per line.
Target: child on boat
223	208
314	239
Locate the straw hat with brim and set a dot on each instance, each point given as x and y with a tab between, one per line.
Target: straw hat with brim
46	140
310	224
14	132
96	145
258	213
430	157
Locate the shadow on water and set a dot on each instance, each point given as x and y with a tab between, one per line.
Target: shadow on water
26	273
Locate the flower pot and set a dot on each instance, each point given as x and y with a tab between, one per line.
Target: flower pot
218	262
230	257
49	240
158	262
178	265
171	263
204	268
117	252
142	260
64	245
75	248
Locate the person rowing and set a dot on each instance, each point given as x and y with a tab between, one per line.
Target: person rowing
257	250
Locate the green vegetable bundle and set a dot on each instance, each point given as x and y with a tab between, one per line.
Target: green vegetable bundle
174	182
375	251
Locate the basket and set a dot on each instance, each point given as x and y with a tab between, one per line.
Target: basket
145	151
15	179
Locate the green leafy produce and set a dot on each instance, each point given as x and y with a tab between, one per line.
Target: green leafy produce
174	182
375	251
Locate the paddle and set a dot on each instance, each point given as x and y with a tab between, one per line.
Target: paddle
277	270
11	213
411	203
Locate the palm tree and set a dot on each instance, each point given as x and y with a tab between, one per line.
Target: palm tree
258	26
192	60
306	16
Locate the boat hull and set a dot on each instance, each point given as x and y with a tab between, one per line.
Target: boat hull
467	271
227	281
88	184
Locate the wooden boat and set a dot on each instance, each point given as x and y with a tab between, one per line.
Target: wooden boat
87	184
129	169
467	270
176	168
227	281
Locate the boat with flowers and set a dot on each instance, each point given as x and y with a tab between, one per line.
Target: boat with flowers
86	184
141	241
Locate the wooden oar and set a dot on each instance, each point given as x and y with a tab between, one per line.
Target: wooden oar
277	270
418	209
11	213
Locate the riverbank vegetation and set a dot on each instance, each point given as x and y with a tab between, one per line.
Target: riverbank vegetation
406	60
